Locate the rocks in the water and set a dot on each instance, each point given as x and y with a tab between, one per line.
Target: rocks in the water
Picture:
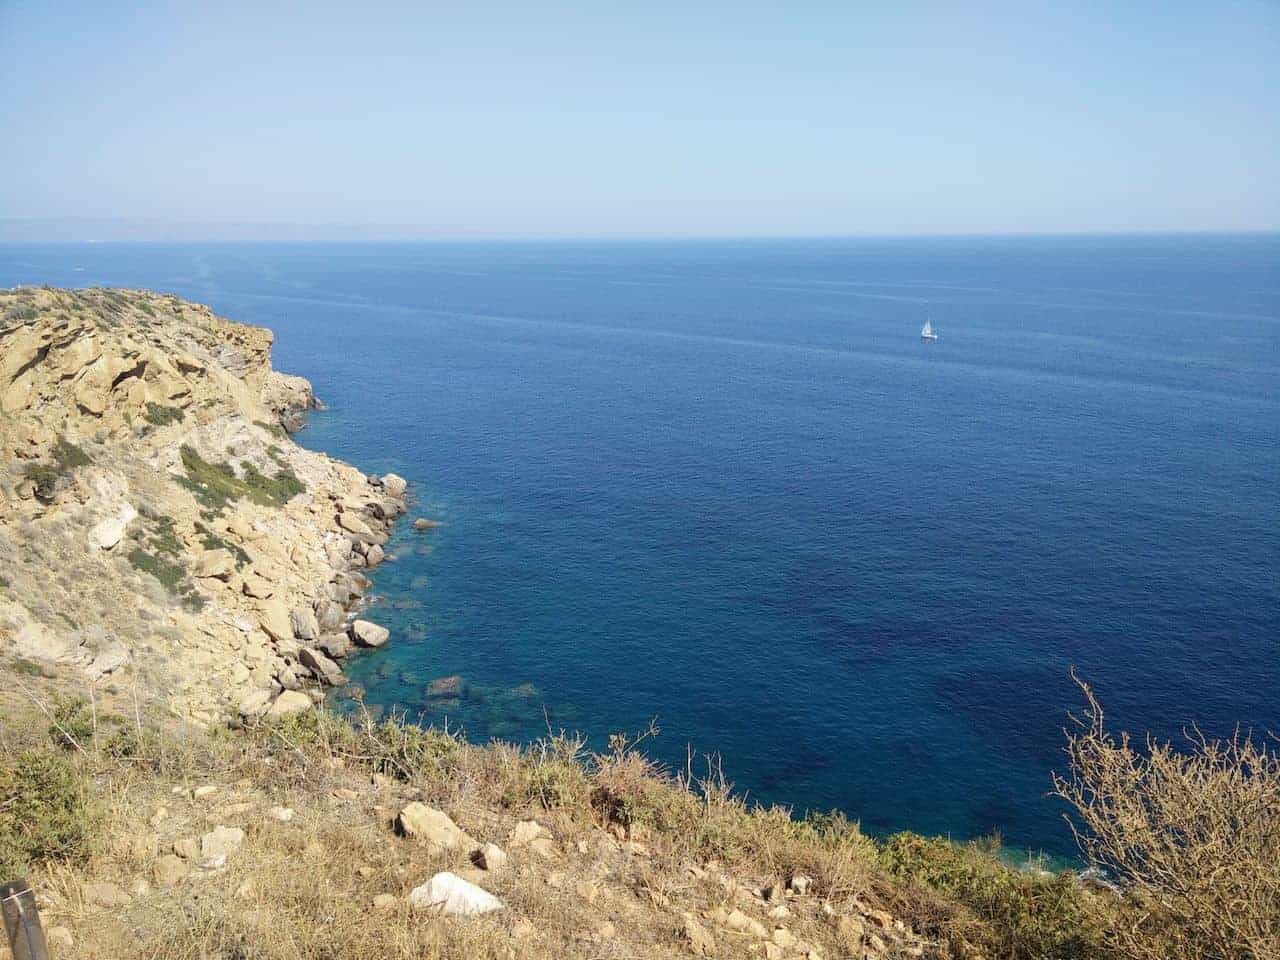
446	688
394	484
291	701
374	555
335	645
422	524
449	894
321	666
369	634
433	827
352	523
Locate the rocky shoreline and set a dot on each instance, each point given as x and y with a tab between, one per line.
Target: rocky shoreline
161	534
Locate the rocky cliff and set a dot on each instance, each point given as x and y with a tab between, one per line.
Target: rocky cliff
158	528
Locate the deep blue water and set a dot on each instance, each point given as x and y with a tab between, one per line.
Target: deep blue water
726	485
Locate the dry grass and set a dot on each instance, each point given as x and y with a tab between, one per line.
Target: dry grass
1192	837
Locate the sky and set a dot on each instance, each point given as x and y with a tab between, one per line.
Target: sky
483	119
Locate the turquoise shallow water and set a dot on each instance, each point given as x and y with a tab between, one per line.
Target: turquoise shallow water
726	485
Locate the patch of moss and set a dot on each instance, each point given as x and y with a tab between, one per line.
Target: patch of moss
158	415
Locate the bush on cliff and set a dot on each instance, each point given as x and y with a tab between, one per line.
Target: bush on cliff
1192	838
43	812
215	484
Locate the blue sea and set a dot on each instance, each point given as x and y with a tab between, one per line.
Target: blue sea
726	485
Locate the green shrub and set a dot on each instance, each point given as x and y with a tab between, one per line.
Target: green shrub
1028	915
47	476
172	576
71	723
215	484
44	812
158	415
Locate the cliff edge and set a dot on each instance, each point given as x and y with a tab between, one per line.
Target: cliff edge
159	530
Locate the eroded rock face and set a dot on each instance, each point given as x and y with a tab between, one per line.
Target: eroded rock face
131	542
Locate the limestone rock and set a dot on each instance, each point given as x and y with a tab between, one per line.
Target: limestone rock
369	634
422	523
449	894
274	619
374	556
169	870
221	842
490	857
257	587
335	645
698	938
432	826
254	704
217	564
394	484
291	701
525	832
321	666
304	623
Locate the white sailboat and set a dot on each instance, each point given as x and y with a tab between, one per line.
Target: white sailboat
926	332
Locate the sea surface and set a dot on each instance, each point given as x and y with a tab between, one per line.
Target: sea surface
727	486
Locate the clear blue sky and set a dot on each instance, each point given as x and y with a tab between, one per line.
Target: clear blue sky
667	119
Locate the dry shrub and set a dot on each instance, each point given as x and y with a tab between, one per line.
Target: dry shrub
1192	838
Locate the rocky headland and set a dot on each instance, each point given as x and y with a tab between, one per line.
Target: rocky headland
160	533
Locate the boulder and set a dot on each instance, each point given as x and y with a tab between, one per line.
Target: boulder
254	704
368	634
701	942
321	666
526	831
374	555
216	564
394	485
274	619
449	894
110	657
329	616
422	523
108	533
433	827
305	626
335	645
351	523
256	587
291	701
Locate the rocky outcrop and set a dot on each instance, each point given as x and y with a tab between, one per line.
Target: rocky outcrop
157	523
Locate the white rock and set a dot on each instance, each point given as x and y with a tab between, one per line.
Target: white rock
394	484
368	634
254	704
220	842
433	826
449	894
283	814
108	533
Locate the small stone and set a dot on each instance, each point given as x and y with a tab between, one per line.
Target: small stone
188	848
737	920
59	937
214	564
698	938
490	857
422	523
606	931
784	938
283	814
208	790
772	951
394	485
385	902
526	831
780	912
245	890
106	895
800	884
254	704
169	870
221	842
